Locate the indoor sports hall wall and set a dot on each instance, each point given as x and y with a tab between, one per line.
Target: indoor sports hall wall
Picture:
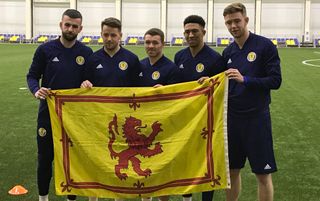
279	18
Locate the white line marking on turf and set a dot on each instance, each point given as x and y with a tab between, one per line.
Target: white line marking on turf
316	52
23	88
306	62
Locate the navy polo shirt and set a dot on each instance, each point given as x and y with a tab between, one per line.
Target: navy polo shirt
120	70
258	61
206	63
58	68
163	72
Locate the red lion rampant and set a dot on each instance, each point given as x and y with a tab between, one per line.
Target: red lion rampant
138	145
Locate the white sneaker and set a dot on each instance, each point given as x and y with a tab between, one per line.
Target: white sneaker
43	198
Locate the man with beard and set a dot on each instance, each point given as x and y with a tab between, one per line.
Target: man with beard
156	68
112	65
253	70
197	61
60	65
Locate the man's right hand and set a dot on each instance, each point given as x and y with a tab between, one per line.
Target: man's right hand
202	79
86	84
42	93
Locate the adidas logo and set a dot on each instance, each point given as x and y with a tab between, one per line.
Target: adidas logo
267	167
99	66
181	66
141	74
55	59
229	61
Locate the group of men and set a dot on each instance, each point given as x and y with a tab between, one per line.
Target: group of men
251	63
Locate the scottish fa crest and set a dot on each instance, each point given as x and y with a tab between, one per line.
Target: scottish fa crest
42	132
80	60
155	75
251	56
123	65
199	67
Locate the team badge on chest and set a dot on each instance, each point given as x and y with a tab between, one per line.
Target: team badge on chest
80	60
251	56
123	65
199	67
155	75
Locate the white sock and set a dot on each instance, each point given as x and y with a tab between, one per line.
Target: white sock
119	199
43	198
70	200
93	198
146	199
187	198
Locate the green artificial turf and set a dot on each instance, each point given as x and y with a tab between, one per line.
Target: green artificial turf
295	112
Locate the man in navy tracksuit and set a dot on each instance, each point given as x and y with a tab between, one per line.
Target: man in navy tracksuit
197	61
253	68
157	69
112	65
60	65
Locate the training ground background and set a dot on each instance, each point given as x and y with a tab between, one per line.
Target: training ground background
295	112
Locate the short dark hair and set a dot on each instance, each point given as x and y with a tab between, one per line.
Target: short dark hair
72	13
155	32
111	22
234	8
194	19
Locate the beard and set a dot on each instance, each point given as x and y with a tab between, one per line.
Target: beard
69	36
110	46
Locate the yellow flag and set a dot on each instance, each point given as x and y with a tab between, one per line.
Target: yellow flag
131	142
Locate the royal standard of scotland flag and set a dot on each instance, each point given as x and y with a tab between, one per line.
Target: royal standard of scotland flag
131	142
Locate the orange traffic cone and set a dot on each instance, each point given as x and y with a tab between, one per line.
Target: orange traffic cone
18	190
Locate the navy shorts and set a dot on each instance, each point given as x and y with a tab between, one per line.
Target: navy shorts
251	137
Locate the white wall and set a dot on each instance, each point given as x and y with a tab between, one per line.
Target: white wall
178	10
284	19
93	13
279	17
12	18
139	16
47	16
314	20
